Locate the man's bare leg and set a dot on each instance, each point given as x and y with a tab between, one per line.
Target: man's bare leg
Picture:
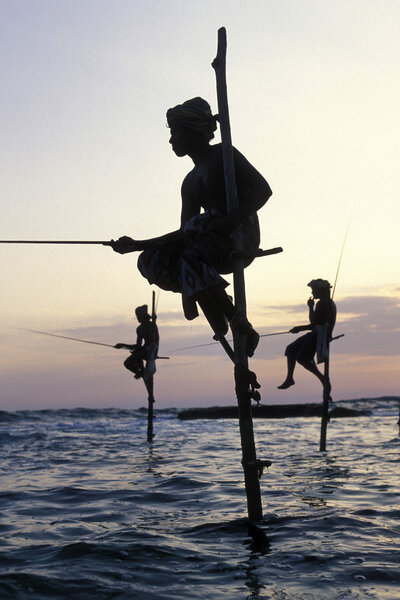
289	381
312	367
149	383
215	314
240	324
219	310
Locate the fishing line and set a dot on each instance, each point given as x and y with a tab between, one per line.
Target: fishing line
214	343
64	337
156	302
341	253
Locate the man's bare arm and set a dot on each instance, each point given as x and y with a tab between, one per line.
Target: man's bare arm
299	328
253	193
126	244
190	208
253	189
120	345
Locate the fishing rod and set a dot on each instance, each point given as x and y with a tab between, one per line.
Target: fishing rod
157	297
55	242
262	335
213	343
66	337
276	333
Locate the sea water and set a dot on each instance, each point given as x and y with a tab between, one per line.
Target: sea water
90	510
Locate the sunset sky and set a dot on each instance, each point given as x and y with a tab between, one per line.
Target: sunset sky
314	94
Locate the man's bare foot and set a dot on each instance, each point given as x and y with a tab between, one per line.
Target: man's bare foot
286	384
240	324
252	341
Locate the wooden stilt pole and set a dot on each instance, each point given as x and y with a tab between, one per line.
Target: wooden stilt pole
325	407
149	387
150	384
398	422
249	459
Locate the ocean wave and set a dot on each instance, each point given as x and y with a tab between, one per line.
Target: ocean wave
81	416
64	415
90	510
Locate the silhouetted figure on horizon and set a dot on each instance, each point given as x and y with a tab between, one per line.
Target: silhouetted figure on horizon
142	360
322	322
191	260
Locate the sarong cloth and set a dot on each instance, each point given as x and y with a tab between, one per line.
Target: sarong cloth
192	263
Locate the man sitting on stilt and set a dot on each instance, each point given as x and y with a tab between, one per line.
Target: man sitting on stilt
190	260
142	360
304	348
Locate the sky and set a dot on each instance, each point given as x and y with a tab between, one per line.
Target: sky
314	91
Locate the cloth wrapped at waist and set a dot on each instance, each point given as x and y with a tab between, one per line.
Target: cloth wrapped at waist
223	260
200	222
192	263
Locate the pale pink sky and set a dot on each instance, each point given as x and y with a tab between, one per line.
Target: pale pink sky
45	372
314	91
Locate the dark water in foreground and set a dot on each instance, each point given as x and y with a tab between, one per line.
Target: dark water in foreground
88	510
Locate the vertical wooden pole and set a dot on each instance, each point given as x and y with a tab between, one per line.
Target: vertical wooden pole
325	407
150	384
149	387
249	459
398	422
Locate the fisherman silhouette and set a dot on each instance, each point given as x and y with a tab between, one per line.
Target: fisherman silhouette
322	322
142	360
191	260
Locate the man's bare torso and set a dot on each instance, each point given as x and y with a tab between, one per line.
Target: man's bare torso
204	186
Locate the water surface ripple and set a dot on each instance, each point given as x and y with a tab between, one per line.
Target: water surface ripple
89	510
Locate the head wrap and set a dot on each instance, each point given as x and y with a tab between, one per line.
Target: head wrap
319	283
194	114
142	312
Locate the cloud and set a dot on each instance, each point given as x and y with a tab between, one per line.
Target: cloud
370	323
40	371
382	311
